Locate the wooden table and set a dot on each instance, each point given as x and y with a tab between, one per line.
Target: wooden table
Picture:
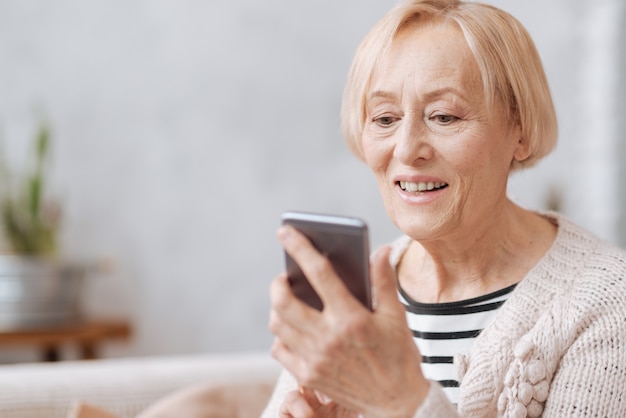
86	334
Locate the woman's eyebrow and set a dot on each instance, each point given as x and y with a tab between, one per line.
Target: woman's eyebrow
382	94
444	91
427	96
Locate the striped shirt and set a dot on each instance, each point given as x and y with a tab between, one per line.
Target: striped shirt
441	330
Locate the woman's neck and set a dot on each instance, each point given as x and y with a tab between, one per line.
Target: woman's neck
469	265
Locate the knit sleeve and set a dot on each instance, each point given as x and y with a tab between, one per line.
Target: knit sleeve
591	378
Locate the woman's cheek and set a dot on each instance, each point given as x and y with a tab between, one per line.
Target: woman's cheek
377	153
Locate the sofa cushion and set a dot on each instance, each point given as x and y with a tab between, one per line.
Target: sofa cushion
123	387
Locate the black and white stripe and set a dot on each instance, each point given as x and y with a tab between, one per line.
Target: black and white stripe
441	330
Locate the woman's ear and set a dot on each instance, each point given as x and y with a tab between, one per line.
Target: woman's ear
522	148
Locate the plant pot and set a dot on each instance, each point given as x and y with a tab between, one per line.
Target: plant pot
39	292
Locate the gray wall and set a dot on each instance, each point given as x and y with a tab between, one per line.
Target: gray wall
182	129
620	115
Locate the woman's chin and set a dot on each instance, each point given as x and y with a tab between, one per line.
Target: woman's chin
420	226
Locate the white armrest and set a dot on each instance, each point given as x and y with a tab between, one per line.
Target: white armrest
122	386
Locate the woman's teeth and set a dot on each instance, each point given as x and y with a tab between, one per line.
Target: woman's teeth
409	186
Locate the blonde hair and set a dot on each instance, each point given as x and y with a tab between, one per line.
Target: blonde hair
509	63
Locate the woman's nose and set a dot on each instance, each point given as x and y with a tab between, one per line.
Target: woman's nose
413	143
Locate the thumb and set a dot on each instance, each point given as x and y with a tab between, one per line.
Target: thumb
313	397
383	277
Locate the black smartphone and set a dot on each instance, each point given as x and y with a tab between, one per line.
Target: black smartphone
345	241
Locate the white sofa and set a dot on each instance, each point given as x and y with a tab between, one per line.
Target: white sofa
233	385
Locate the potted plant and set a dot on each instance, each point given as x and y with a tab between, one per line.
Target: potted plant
37	287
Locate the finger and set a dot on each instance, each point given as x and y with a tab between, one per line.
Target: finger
284	301
293	322
316	267
315	398
294	406
383	277
311	397
287	311
282	353
322	399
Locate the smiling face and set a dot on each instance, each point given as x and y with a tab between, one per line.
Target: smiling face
440	157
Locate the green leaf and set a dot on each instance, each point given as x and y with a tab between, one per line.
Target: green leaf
34	197
26	228
43	140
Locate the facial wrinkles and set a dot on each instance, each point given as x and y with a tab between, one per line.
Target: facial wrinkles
447	88
456	206
417	79
410	75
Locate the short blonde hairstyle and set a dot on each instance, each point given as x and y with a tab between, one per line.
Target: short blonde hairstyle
510	67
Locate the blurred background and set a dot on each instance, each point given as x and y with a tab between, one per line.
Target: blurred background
180	130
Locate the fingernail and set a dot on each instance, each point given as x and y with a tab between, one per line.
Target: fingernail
324	400
380	252
283	233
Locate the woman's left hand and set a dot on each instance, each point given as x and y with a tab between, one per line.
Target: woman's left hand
304	403
364	361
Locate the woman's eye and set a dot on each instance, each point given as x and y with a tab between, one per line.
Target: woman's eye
384	120
444	119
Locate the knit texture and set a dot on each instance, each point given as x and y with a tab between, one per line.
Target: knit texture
556	348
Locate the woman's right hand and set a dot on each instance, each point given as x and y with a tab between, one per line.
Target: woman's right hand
364	360
305	404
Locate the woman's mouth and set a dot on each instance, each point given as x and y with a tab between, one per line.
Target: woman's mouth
421	187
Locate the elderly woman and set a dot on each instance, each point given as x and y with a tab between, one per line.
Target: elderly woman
483	308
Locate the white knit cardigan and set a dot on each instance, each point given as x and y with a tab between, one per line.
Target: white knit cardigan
556	348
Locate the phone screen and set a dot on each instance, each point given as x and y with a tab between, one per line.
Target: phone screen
344	240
